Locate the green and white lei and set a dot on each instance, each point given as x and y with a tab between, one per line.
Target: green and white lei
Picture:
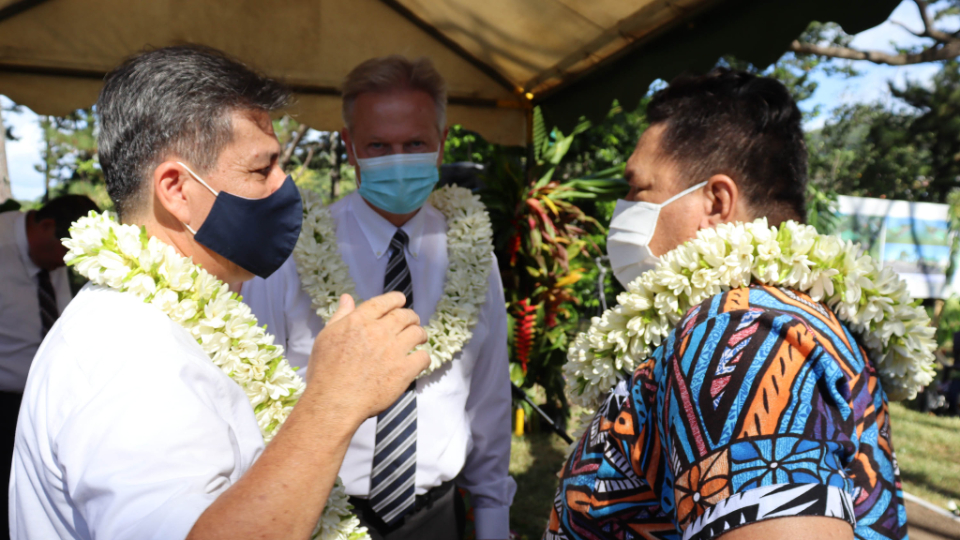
324	276
124	258
873	303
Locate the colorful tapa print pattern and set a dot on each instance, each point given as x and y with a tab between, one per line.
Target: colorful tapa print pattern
760	404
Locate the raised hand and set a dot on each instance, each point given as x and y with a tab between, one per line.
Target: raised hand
362	361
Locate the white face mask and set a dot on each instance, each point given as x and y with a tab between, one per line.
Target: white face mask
631	230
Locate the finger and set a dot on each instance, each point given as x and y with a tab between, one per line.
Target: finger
416	362
346	307
411	337
401	319
379	306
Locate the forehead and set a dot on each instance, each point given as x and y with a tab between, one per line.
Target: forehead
648	147
648	167
391	114
252	132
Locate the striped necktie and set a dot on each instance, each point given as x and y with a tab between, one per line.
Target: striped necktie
48	302
393	477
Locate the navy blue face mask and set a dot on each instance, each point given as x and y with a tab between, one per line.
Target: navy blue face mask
257	235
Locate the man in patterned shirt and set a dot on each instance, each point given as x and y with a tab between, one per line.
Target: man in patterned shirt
759	404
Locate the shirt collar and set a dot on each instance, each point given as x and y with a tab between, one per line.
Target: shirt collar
379	232
20	230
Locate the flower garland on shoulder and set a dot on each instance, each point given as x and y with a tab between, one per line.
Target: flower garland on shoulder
124	258
325	276
873	302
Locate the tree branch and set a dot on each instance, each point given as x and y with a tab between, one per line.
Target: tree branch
928	29
932	54
306	162
905	27
924	15
288	151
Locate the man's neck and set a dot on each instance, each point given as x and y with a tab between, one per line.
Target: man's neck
397	220
172	233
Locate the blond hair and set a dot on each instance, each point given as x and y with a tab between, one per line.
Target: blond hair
395	72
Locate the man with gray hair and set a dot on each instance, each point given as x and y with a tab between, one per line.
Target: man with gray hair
129	429
453	425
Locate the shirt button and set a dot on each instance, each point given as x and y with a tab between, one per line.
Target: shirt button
379	253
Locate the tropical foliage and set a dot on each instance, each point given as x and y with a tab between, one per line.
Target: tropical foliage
543	244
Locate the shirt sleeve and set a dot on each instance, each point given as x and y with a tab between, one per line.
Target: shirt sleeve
301	320
756	422
486	471
148	452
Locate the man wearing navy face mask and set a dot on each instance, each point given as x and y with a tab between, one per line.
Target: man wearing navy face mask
454	424
128	429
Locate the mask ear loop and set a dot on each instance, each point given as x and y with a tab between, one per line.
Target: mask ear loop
198	179
681	194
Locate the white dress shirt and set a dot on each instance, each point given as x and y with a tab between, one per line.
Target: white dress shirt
127	429
20	326
463	408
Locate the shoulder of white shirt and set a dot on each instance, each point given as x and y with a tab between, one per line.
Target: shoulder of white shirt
107	330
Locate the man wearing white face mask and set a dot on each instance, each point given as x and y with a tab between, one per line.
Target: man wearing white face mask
631	230
753	412
452	428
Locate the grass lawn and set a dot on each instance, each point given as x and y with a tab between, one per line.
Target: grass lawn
534	462
928	449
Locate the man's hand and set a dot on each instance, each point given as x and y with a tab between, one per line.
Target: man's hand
362	362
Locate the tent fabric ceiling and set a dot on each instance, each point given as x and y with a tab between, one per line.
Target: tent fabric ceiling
500	57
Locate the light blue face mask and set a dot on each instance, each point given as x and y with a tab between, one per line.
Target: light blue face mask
398	183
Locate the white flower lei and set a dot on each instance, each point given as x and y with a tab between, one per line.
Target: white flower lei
324	276
873	303
124	258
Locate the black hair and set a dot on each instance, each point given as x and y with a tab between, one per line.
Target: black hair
64	211
173	100
738	124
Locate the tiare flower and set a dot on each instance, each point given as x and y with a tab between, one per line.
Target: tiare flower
873	303
325	277
122	257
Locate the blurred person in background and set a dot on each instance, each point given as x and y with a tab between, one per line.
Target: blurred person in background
34	290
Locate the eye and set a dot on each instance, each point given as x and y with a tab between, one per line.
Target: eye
416	145
375	146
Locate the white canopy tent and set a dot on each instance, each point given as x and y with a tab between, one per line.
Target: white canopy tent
500	57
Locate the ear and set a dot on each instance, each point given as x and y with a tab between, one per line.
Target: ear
48	227
721	199
169	184
443	144
348	144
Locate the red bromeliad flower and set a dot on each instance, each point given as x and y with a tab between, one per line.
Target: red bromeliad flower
523	332
514	249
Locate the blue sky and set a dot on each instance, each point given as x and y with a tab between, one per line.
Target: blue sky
870	86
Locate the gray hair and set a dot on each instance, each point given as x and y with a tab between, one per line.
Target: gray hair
173	100
395	72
